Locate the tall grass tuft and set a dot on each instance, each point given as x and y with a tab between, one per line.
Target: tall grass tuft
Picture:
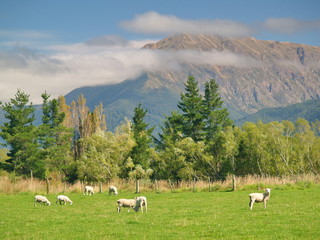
14	185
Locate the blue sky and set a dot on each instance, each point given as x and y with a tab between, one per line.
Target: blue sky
43	43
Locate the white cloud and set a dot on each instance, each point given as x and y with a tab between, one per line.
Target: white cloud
290	25
73	66
155	23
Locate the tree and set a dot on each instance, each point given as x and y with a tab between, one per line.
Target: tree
55	138
21	136
192	110
171	131
140	153
216	117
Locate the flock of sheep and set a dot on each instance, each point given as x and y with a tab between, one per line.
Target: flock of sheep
136	203
140	202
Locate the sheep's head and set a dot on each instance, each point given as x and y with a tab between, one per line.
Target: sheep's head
268	190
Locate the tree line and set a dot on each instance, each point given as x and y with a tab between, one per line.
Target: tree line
197	142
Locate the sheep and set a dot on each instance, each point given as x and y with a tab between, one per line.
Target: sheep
41	199
88	190
63	199
113	189
259	197
140	203
129	203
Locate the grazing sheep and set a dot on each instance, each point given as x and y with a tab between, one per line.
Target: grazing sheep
259	197
63	199
128	203
41	199
140	203
88	190
113	189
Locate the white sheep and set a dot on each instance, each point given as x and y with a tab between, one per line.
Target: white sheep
41	199
113	190
140	203
63	199
88	190
259	197
128	203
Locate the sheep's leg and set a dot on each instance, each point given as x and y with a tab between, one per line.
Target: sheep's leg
265	204
251	203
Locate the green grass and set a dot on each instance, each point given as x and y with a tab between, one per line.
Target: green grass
290	214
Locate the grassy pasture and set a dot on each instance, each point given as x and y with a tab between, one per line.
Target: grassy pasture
290	214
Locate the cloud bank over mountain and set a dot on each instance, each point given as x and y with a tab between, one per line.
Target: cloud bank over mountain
102	60
35	62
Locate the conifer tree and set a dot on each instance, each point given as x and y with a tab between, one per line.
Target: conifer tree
54	137
215	116
140	153
20	135
192	110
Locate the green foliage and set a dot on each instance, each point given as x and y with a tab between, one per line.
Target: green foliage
191	107
196	143
20	135
140	153
55	139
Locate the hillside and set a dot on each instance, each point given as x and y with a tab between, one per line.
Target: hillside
273	74
119	100
309	110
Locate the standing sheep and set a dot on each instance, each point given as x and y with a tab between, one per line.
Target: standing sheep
113	190
41	199
140	203
88	190
128	203
259	197
63	199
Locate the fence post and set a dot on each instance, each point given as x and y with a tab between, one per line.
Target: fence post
100	187
170	184
48	185
156	186
209	184
194	184
137	186
234	186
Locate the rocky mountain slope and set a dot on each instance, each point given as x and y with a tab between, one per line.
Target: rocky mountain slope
262	74
280	73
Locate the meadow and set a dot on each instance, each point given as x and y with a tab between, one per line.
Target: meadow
290	214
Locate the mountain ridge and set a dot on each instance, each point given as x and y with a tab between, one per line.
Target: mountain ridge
283	74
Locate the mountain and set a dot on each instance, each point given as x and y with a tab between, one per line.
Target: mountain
309	110
252	75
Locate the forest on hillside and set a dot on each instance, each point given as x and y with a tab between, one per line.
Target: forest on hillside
199	142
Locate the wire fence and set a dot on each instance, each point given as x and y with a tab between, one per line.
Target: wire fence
54	186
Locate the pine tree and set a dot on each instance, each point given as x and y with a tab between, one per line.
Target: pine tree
140	152
20	136
191	107
171	131
215	116
54	137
